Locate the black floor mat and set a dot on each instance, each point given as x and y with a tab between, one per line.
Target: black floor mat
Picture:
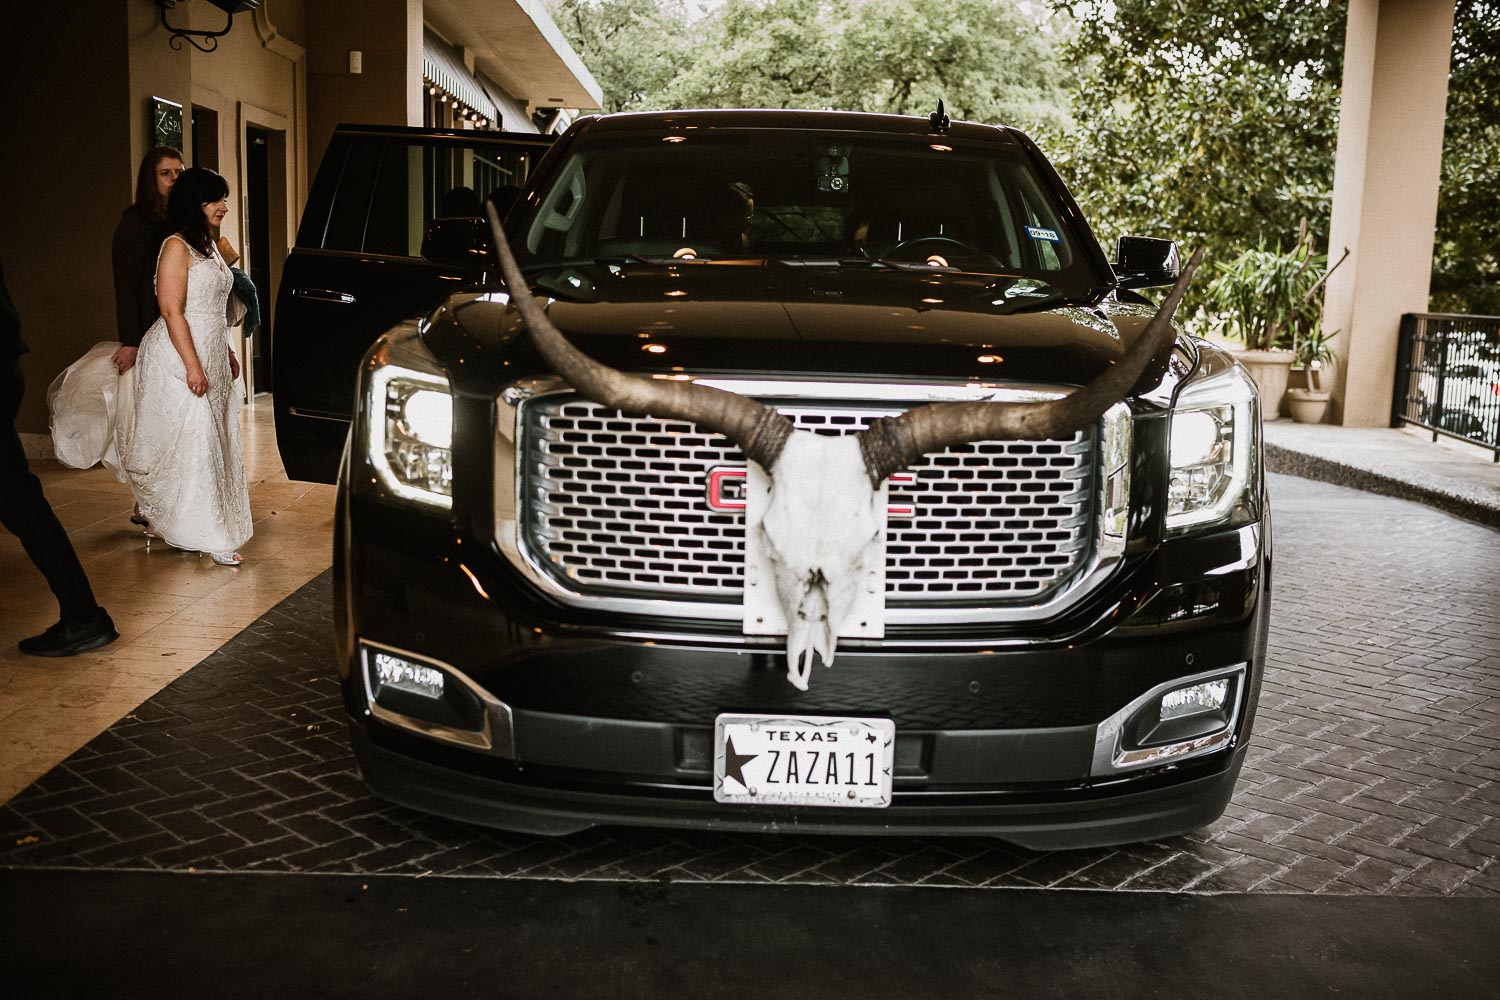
155	935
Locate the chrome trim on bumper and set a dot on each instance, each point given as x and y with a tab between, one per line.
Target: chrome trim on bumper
497	735
1110	759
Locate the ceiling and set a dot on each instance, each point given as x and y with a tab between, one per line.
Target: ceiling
517	44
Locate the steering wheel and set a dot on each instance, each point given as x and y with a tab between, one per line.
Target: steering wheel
916	246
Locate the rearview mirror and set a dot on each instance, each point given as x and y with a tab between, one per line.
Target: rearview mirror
1144	262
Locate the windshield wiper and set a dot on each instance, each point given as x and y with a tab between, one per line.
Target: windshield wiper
630	258
823	262
864	262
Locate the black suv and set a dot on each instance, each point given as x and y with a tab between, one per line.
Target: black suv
543	605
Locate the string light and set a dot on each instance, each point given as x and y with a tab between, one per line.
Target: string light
462	113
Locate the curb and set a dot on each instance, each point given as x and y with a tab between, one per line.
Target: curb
1296	463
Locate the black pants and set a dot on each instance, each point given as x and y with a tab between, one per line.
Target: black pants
25	512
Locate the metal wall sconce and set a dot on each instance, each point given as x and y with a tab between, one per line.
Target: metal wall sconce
229	7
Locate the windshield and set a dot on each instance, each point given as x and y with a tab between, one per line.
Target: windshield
808	197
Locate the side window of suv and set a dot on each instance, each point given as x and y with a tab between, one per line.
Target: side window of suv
420	182
1042	227
351	199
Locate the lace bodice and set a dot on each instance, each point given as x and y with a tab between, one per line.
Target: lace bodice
209	282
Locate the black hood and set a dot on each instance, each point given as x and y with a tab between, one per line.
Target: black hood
753	319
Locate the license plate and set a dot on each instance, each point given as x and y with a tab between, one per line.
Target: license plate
806	760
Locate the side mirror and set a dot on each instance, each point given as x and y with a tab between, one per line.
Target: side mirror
1145	262
457	241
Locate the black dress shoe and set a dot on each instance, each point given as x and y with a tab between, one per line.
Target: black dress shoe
64	639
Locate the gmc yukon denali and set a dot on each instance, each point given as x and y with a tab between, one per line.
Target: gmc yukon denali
551	613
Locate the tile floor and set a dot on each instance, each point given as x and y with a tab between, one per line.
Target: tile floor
172	608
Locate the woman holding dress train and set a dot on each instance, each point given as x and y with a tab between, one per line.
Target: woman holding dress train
183	458
133	257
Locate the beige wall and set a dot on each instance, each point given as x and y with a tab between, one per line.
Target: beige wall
156	70
388	92
1385	191
68	171
257	77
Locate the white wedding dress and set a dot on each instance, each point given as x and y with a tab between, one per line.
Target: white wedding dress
183	456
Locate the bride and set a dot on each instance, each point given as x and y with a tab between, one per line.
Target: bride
183	456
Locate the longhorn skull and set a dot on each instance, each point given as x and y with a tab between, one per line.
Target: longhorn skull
825	521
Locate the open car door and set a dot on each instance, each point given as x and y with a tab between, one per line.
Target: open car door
392	227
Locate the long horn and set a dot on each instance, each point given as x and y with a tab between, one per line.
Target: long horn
759	430
891	444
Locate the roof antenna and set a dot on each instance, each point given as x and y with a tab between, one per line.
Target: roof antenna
938	120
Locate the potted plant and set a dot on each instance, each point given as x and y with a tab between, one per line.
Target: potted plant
1266	299
1310	405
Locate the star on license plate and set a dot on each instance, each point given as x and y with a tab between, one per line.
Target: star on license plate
807	760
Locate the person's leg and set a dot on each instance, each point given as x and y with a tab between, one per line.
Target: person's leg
25	512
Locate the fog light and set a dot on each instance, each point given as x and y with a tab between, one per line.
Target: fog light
1209	696
404	675
426	696
1183	718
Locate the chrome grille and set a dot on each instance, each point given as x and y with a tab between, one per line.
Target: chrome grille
614	503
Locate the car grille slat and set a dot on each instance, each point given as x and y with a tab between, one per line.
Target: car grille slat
618	505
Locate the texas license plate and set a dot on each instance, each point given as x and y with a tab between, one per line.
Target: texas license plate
807	760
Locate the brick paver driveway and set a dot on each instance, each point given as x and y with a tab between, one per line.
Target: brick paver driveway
1373	769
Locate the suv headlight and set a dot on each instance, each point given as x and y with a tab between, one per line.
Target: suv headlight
1211	449
409	420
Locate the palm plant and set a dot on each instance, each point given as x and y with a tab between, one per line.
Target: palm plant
1268	298
1311	349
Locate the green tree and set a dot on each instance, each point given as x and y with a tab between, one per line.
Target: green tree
1466	272
988	60
634	48
1213	124
1216	124
761	54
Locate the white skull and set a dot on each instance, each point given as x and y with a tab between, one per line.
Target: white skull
824	535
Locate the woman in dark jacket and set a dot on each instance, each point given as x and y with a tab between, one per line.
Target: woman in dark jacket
137	239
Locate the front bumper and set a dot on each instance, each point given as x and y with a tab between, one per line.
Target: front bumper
548	802
611	720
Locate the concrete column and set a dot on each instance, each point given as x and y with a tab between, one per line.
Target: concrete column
1385	191
387	92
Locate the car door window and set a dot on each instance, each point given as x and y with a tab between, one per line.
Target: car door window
351	201
423	182
1042	227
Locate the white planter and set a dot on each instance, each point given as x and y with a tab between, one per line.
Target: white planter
1308	407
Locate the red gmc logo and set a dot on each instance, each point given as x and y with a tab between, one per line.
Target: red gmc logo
727	489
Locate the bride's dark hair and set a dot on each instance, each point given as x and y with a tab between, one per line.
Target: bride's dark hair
195	187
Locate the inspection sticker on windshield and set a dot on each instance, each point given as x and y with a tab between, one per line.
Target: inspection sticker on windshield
1038	233
809	760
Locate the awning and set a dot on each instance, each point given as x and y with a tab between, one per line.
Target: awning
443	66
512	116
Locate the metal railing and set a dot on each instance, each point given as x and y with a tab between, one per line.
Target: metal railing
1448	377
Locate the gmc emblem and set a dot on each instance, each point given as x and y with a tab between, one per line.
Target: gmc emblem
726	490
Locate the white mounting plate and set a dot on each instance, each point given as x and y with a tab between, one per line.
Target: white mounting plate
763	611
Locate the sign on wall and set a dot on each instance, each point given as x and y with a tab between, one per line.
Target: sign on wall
166	123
